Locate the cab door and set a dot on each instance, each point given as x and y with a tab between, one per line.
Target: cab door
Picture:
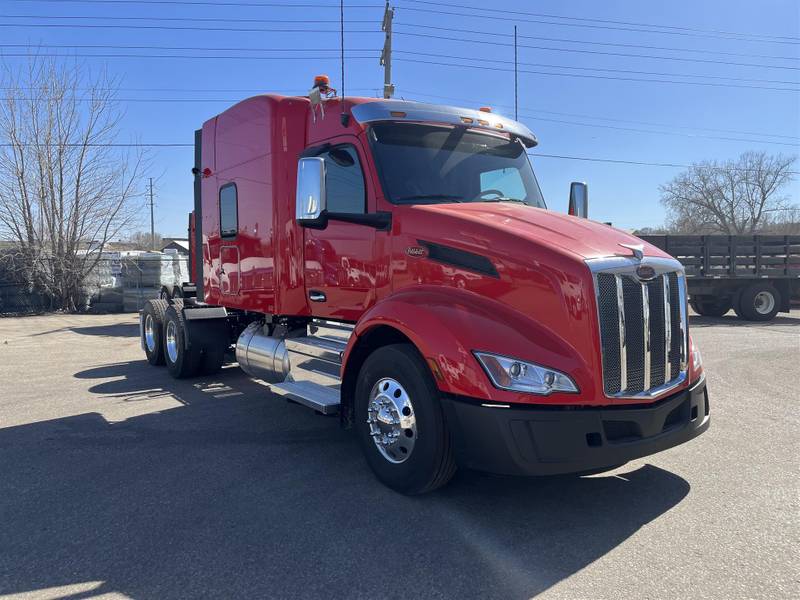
339	260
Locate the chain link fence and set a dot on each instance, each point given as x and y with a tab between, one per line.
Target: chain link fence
117	284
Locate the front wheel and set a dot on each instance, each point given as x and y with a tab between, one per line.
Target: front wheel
400	423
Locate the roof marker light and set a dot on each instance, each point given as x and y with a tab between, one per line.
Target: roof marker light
485	109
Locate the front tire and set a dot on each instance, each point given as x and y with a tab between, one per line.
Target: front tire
759	302
400	423
182	361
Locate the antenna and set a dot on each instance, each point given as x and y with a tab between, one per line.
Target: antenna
152	219
386	54
344	116
516	81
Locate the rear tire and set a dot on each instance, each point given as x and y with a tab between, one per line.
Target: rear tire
181	361
152	330
399	421
710	308
759	302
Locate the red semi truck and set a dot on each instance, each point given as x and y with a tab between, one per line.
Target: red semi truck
394	262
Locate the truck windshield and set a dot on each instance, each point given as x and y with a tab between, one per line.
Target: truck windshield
432	164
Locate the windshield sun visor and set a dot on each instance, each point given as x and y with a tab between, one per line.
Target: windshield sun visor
402	110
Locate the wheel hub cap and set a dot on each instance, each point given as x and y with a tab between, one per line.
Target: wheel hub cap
764	303
149	333
172	341
391	419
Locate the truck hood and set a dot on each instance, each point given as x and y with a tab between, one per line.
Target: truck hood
582	238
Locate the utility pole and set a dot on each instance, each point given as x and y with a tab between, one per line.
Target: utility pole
516	83
386	54
152	219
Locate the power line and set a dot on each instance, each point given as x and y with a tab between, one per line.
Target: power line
595	20
175	28
603	77
534	154
527	114
409	60
611	27
407	33
428	54
461	30
181	56
583	116
599	52
637	162
180	90
204	3
655	73
204	48
183	19
595	43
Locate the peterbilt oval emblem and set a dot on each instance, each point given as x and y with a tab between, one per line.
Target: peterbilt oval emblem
645	272
417	251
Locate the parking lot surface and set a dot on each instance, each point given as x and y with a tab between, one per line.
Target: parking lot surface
117	481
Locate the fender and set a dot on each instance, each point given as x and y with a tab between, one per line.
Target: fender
446	324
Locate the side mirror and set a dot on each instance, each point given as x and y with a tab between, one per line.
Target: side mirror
310	201
579	199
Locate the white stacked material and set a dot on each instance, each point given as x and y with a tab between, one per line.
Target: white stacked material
133	299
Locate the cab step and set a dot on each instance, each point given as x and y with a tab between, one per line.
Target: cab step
313	395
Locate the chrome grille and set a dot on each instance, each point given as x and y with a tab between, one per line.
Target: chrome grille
642	326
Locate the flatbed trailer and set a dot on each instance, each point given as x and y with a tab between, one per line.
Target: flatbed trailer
755	275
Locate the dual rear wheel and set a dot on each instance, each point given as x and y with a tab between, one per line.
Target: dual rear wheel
759	301
166	341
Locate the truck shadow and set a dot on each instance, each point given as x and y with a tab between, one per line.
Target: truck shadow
233	493
115	330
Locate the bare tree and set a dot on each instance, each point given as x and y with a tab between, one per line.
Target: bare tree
141	240
65	188
734	197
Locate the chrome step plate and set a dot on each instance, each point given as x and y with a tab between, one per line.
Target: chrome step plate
319	397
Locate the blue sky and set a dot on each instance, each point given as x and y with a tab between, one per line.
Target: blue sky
604	113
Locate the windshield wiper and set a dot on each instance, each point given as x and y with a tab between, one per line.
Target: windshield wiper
423	197
502	199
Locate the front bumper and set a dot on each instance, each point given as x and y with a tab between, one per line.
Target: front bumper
549	441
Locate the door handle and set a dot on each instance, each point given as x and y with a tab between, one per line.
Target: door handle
317	296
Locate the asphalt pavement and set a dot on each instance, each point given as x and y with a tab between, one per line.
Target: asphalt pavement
117	481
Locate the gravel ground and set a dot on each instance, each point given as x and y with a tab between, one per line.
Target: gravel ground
117	481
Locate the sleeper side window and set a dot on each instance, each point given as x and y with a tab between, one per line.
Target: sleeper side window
344	180
228	211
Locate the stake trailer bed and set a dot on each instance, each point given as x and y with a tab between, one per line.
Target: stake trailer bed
756	275
394	262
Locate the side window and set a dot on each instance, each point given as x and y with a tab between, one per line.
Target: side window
344	180
228	211
508	181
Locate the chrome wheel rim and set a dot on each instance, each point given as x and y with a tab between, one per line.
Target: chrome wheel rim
172	341
149	333
391	419
764	303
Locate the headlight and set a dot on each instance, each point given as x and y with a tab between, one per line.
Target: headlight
520	376
697	359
